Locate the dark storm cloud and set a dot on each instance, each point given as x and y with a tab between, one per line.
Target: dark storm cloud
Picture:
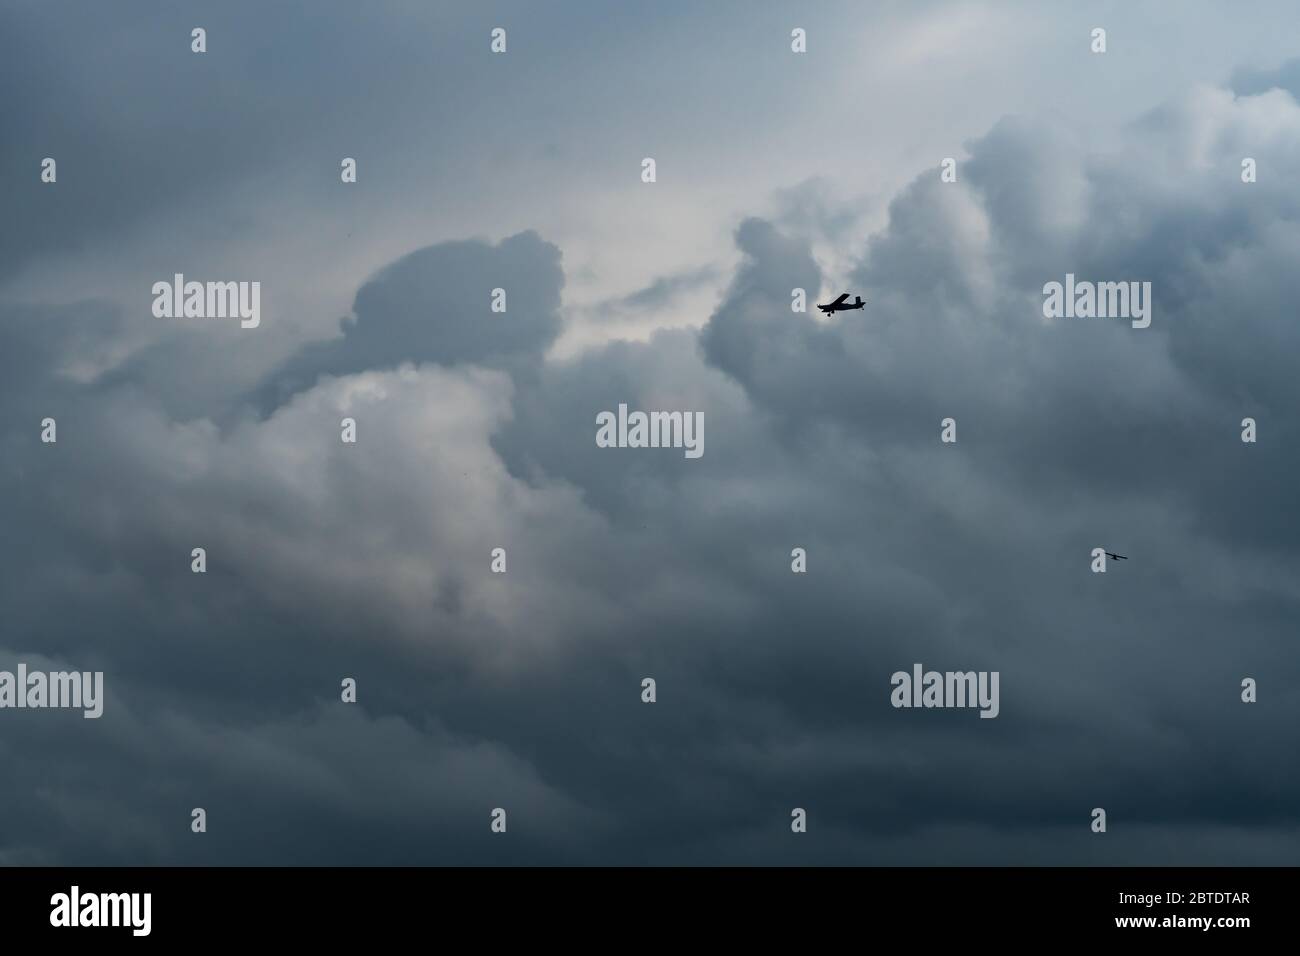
435	305
74	71
151	136
1081	433
522	690
1073	435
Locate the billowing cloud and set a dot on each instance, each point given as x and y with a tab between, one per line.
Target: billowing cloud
437	305
522	690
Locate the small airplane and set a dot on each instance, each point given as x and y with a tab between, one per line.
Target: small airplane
1117	557
839	305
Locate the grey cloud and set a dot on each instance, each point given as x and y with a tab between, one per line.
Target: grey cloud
813	208
522	690
662	290
434	305
1251	81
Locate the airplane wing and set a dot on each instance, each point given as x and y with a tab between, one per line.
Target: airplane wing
840	300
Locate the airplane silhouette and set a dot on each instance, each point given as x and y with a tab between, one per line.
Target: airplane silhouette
1118	557
839	304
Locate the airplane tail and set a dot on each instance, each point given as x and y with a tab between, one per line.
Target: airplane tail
857	300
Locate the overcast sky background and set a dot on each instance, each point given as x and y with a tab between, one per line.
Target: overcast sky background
476	431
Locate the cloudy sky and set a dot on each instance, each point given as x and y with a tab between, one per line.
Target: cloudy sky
476	430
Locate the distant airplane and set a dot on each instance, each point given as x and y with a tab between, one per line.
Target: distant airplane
1117	557
839	304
